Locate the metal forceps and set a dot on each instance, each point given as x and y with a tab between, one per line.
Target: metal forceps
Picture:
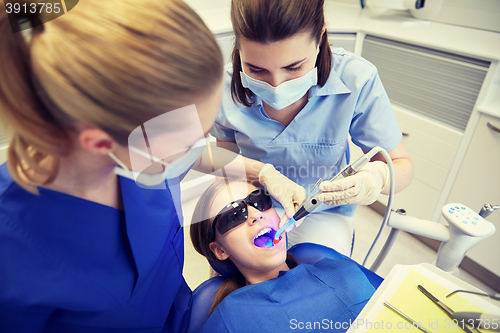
449	312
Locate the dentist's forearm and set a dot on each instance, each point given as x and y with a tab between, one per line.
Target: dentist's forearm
213	159
404	174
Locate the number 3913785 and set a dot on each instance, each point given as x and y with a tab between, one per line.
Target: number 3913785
33	8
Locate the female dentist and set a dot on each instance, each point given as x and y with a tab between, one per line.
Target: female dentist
81	249
291	101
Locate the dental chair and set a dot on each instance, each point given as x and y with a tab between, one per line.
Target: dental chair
305	253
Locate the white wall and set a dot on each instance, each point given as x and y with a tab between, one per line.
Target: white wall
3	155
481	14
207	4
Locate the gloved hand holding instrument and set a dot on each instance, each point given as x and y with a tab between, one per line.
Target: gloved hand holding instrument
358	183
288	193
360	188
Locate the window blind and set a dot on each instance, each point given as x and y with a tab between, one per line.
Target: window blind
440	85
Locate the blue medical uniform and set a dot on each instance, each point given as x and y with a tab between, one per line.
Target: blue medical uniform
308	298
72	265
353	101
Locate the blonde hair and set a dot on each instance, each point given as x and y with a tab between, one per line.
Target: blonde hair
111	64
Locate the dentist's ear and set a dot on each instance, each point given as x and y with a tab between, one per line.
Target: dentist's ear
219	252
96	141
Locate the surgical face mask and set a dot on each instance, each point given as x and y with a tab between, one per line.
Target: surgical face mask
171	170
283	95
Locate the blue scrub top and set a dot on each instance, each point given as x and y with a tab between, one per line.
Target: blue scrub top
353	101
72	265
309	298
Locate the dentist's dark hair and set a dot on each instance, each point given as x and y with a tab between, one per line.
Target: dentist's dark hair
202	235
267	21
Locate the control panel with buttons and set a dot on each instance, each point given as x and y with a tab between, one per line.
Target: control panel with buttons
466	220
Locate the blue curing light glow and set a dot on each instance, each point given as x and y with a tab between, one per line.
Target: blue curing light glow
282	229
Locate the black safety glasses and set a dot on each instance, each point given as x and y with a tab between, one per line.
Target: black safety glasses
236	213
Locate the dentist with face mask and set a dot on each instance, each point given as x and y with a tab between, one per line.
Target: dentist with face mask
291	101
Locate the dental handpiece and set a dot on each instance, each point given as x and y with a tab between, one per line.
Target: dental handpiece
312	203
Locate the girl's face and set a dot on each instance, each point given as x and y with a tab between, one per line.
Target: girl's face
279	61
239	244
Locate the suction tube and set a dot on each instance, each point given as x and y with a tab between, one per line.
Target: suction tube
392	178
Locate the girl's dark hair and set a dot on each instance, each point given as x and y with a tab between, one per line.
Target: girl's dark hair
267	21
202	235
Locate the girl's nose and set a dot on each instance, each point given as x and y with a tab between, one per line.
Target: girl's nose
254	215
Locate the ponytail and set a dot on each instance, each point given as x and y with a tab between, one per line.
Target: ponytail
324	61
239	93
229	285
36	137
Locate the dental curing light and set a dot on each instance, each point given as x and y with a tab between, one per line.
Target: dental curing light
312	203
281	230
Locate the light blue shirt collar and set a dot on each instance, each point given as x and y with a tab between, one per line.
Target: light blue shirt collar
334	86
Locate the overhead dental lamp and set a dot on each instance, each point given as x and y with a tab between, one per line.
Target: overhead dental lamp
421	9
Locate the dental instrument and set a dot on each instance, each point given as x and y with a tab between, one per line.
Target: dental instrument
312	203
292	220
350	169
487	209
449	312
493	296
308	196
480	320
413	322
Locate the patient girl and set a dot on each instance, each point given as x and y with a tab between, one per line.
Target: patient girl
265	289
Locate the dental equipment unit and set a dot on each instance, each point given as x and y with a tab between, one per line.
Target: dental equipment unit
465	227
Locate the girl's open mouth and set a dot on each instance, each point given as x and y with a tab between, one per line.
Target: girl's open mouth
265	237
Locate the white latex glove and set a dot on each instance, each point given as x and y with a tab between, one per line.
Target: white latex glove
289	194
362	188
